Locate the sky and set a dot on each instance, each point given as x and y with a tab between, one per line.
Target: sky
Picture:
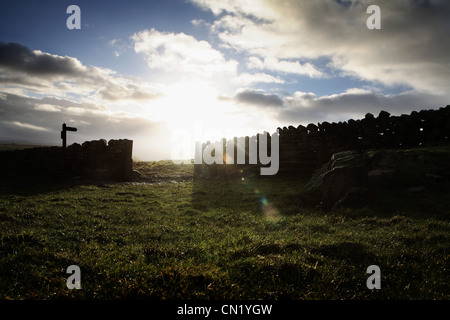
168	73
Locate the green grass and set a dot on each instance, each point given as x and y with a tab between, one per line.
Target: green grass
256	238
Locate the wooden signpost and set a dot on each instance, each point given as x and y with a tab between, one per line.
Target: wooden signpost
63	133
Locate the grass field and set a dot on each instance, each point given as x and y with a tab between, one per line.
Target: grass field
175	238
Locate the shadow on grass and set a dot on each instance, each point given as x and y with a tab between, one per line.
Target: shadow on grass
34	183
356	253
252	192
287	196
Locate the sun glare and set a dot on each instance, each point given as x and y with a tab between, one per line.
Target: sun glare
193	111
186	102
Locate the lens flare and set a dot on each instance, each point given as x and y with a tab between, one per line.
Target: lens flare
269	210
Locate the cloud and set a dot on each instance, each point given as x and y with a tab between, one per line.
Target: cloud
16	57
257	98
199	22
50	74
41	91
306	107
293	67
249	7
22	117
181	53
129	91
119	46
248	79
28	126
411	49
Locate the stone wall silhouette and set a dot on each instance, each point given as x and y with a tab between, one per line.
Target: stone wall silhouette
93	160
240	146
305	148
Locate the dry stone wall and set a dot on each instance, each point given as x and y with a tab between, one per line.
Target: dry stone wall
304	149
96	160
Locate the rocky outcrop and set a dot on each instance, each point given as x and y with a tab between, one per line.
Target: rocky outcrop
349	176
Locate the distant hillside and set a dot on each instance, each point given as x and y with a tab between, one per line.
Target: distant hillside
15	146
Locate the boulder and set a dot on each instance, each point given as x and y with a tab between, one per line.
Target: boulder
339	181
344	171
316	180
380	177
346	158
349	175
355	198
384	159
435	178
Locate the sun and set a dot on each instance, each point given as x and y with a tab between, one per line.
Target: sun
195	111
195	106
191	101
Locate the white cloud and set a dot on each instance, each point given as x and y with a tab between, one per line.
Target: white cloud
251	7
29	126
119	46
181	53
411	48
199	22
248	79
293	67
46	107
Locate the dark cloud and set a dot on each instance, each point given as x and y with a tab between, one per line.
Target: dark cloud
308	108
21	80
52	74
19	57
258	98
